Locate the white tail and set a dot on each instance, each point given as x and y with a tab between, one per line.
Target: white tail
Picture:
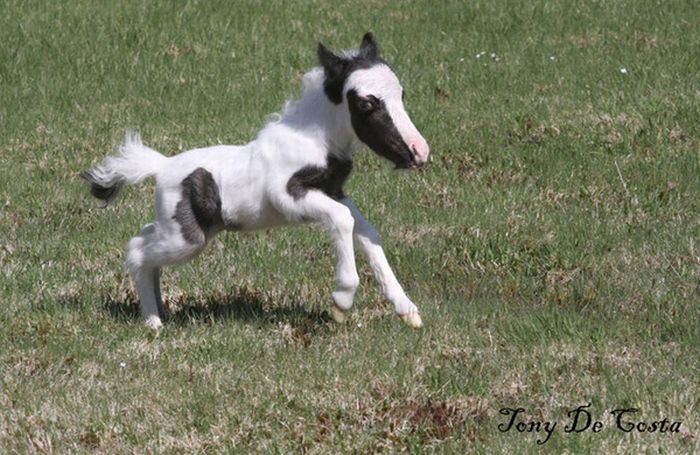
133	164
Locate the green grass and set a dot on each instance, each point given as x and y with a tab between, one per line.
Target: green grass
550	245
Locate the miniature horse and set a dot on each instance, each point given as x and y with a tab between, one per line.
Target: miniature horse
293	172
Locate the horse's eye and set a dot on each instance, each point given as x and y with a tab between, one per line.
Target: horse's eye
403	95
365	106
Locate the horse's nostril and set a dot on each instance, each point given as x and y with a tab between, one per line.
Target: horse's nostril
420	153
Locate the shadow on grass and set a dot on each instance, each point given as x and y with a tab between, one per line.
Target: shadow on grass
240	305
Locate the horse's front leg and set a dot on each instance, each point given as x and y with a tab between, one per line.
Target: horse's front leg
367	240
336	217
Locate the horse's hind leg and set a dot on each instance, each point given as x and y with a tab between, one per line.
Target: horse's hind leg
143	273
179	234
153	248
143	278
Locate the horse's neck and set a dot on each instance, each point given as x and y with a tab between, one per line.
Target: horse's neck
316	117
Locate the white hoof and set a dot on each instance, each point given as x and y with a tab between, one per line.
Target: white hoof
338	314
154	322
413	320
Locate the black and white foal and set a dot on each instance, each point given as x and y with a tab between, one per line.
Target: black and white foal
293	172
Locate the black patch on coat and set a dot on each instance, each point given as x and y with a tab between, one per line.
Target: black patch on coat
101	192
337	68
199	211
373	125
329	179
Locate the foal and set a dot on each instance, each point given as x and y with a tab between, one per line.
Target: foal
293	172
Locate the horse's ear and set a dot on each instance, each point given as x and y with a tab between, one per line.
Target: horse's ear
368	48
331	63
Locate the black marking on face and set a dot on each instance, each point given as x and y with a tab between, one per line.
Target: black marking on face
337	68
329	179
199	210
374	126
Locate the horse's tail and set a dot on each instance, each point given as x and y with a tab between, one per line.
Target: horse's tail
133	163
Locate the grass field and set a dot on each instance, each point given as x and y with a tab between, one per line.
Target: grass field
550	245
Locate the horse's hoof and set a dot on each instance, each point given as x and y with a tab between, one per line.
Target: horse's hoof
153	322
338	314
413	320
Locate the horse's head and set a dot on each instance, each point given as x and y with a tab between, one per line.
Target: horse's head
373	95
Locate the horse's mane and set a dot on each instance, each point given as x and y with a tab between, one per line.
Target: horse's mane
312	83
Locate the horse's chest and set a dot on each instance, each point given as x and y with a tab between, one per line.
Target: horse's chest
329	179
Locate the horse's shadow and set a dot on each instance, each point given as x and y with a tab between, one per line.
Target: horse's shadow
239	305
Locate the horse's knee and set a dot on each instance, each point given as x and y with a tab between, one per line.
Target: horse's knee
344	222
344	293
